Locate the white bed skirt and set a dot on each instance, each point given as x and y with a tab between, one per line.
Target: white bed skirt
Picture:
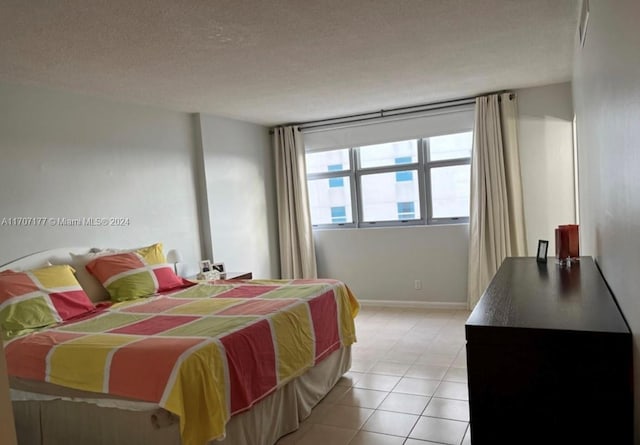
65	422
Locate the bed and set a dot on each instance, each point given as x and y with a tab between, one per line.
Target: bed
231	362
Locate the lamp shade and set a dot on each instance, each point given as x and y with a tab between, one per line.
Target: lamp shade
174	256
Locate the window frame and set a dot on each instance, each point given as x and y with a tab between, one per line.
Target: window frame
430	165
391	168
346	173
422	167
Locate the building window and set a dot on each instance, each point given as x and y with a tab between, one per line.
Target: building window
406	175
406	210
338	214
335	182
419	181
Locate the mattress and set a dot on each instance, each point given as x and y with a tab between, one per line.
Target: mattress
79	418
202	354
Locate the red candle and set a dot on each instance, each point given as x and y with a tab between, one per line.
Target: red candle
562	242
573	240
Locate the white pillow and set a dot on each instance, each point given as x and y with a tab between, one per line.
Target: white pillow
37	265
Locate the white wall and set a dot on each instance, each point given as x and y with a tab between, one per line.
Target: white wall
546	157
68	155
607	102
383	263
240	186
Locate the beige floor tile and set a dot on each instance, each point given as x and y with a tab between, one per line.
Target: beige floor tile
383	344
336	393
462	315
439	430
387	422
404	403
364	398
467	437
427	335
419	387
377	382
319	411
403	356
429	325
432	320
364	353
456	375
453	390
461	359
390	368
448	409
349	378
445	348
433	359
422	371
327	435
411	441
369	438
414	353
292	438
362	365
345	416
411	340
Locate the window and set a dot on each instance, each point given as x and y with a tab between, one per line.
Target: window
330	187
449	175
420	181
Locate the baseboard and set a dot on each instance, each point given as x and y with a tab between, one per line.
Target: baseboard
414	304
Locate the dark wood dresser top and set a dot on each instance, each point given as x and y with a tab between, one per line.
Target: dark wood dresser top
528	294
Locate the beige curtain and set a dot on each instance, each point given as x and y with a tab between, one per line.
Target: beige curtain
496	222
297	252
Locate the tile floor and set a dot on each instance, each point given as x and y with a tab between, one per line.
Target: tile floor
407	384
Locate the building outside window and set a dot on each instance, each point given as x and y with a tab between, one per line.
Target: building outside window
419	181
338	214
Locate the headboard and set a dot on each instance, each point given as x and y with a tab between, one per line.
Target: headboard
91	286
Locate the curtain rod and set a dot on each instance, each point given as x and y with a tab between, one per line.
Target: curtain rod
391	112
382	113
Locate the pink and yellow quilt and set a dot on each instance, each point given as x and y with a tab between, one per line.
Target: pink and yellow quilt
203	353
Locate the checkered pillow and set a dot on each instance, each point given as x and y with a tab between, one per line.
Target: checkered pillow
38	298
131	275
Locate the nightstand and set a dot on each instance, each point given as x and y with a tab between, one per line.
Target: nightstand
228	276
238	276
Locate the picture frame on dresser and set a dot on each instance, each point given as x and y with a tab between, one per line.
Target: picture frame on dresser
220	268
205	266
543	247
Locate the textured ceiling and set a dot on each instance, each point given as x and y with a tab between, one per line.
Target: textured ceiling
276	61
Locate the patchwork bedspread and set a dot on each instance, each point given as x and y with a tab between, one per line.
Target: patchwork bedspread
204	353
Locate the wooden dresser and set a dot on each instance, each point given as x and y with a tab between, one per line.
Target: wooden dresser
549	358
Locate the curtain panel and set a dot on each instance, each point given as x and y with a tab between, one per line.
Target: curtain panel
297	251
496	220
